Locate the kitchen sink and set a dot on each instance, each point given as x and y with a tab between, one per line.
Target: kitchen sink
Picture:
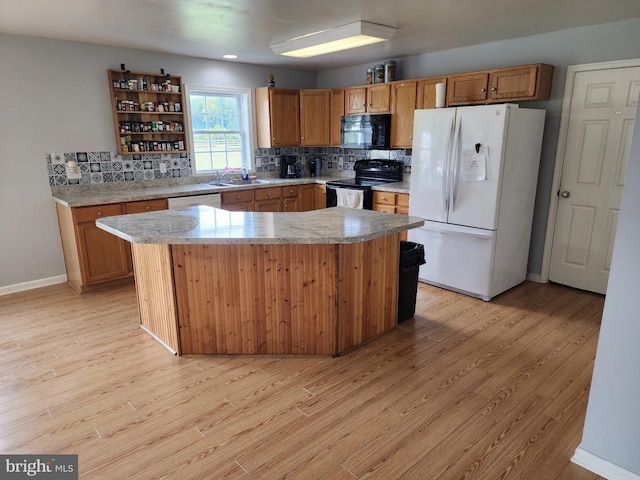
220	184
232	183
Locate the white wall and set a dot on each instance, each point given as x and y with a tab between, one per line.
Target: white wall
612	425
55	98
606	42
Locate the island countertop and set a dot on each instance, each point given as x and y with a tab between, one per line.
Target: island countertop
208	225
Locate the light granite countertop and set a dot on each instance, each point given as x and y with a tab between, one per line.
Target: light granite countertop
208	225
102	194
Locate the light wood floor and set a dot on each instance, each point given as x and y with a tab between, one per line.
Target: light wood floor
467	390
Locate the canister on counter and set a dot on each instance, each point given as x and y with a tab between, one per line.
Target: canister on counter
390	71
378	74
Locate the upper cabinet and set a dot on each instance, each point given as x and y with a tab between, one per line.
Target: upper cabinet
315	107
370	99
277	117
337	111
427	91
403	103
531	82
148	112
527	82
467	88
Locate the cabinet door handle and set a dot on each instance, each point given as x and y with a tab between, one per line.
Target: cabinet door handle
268	194
147	207
483	89
99	214
493	89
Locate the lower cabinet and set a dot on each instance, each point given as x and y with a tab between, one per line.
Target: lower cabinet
390	202
292	198
238	201
95	258
306	194
268	199
320	197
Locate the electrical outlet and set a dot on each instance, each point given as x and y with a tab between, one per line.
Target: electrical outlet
163	167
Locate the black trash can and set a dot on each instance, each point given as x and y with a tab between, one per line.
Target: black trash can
411	257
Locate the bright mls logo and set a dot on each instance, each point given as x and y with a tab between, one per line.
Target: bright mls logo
50	467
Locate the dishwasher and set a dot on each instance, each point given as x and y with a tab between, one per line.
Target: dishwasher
210	199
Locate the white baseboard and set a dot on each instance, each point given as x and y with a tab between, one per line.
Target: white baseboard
602	467
43	282
536	277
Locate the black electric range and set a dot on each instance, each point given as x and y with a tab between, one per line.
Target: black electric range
368	174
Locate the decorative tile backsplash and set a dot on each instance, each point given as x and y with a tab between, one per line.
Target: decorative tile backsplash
105	167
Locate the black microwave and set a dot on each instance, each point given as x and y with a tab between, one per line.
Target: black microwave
366	131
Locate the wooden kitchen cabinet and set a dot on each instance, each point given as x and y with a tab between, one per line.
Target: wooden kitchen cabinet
390	202
240	201
146	206
530	82
403	104
371	99
467	88
355	100
513	84
337	111
315	119
268	199
277	117
93	257
306	197
426	97
290	198
320	197
148	112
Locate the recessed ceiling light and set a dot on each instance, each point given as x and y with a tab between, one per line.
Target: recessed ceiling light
230	56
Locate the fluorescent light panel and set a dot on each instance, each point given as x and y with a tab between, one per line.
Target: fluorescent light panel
348	36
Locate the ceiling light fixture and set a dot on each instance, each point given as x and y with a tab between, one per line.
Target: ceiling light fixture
348	36
229	56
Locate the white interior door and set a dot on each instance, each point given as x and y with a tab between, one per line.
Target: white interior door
601	121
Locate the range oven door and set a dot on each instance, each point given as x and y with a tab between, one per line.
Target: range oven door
332	196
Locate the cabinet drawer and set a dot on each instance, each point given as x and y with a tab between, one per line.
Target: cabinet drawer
268	193
235	197
402	200
146	206
288	192
384	197
380	207
91	214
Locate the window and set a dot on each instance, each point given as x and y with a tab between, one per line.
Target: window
219	126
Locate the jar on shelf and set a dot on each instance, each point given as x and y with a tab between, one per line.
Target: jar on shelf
378	74
369	76
390	71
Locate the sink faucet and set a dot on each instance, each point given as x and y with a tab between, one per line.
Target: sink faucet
225	172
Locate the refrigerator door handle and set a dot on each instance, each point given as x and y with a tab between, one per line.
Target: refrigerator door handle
446	167
454	166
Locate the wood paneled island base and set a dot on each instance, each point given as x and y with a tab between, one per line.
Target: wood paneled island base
215	282
275	299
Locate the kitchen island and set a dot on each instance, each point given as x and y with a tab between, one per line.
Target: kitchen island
211	281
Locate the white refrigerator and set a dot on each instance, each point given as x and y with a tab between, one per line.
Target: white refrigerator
474	172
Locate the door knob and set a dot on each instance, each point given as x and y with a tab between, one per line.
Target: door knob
565	194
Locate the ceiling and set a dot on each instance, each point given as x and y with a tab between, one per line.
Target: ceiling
211	28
